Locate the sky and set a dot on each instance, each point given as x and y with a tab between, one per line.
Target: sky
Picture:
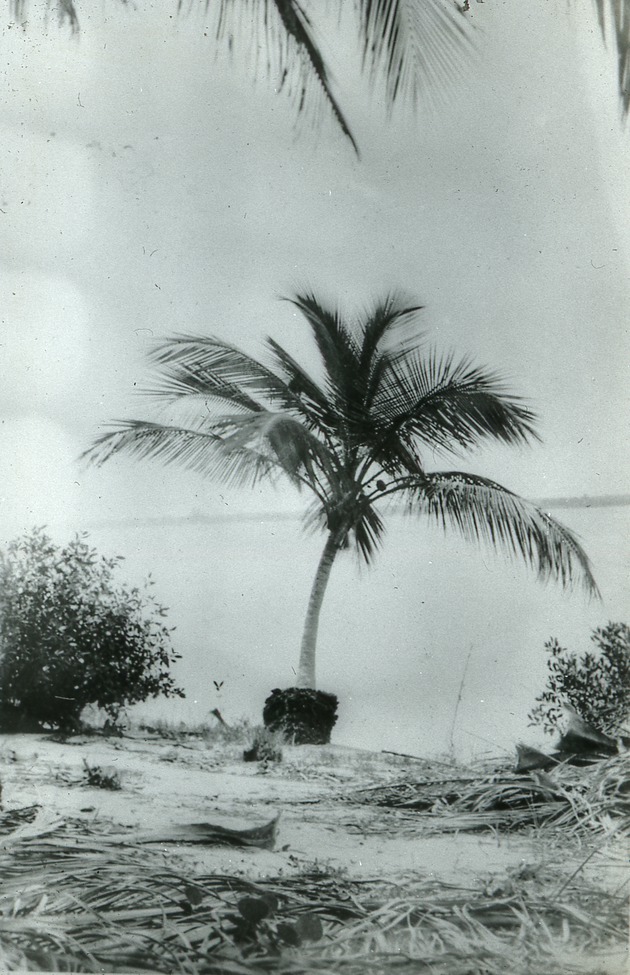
149	188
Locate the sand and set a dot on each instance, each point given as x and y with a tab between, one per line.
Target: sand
167	783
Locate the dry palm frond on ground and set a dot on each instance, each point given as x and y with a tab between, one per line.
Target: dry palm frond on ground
590	797
72	900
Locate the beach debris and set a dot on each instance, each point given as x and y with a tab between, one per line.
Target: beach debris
212	834
217	714
126	909
581	744
567	796
528	758
12	819
581	741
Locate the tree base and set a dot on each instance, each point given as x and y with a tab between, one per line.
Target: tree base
302	715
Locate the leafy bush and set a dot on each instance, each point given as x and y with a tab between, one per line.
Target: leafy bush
596	685
71	635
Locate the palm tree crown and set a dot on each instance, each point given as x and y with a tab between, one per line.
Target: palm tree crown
354	437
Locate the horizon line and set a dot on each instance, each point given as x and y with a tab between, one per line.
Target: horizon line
198	517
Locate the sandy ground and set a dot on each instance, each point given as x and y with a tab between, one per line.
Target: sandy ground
167	783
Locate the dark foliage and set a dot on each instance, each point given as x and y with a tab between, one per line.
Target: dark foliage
71	635
596	685
302	715
255	926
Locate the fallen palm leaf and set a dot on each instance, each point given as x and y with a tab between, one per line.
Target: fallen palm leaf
73	900
212	833
571	797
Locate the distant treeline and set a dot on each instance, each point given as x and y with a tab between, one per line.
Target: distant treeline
586	501
197	517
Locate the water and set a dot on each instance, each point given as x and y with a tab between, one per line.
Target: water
395	640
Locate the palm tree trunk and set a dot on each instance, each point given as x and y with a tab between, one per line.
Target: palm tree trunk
306	670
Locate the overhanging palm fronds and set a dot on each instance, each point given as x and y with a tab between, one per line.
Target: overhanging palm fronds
614	17
416	45
66	11
293	59
482	510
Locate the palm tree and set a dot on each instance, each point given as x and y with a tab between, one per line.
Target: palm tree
412	47
354	437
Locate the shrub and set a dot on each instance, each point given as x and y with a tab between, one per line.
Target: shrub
100	778
266	746
596	685
71	635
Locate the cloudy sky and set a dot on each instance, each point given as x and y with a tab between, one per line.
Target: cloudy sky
149	188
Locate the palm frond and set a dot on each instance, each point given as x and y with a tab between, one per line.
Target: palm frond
233	449
309	400
617	13
384	324
449	405
368	531
339	349
388	334
353	520
66	11
354	354
416	44
198	363
291	446
482	510
204	453
298	28
281	43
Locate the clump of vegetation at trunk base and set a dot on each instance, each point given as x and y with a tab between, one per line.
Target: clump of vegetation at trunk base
596	685
71	635
303	715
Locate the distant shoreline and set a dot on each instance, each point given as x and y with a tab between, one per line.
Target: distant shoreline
198	518
586	501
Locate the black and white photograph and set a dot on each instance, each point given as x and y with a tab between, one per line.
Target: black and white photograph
314	487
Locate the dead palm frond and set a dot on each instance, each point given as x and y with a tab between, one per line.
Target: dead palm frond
576	799
73	901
